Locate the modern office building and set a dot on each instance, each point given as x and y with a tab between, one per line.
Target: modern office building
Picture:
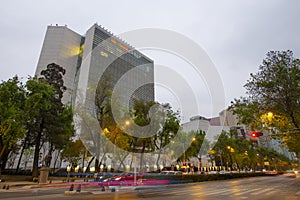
61	46
90	57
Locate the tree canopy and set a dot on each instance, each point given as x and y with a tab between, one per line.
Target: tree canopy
12	98
274	89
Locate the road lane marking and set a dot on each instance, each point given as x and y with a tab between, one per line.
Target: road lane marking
211	192
262	191
246	191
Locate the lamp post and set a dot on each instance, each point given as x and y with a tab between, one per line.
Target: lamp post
92	169
183	148
76	169
134	171
68	170
231	150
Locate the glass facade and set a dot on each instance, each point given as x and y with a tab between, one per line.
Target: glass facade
86	58
111	57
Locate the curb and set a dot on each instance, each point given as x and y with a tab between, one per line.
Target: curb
69	193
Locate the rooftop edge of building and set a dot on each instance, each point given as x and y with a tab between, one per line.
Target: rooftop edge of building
102	28
131	48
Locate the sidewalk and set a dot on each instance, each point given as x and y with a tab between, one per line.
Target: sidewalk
10	184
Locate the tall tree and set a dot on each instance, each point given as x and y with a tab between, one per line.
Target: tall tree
170	127
12	96
37	105
157	128
275	88
143	144
73	152
59	127
49	120
104	117
276	85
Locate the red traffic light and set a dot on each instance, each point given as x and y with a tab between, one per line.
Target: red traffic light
255	134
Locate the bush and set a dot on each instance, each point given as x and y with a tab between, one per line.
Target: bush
201	177
35	179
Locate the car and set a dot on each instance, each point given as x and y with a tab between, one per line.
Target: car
125	181
167	172
212	172
224	172
271	173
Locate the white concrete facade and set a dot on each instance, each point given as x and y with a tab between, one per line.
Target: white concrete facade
61	46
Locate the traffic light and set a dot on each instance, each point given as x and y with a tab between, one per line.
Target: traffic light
255	134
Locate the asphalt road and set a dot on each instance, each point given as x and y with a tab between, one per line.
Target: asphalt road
257	188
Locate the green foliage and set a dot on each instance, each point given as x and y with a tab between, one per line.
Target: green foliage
170	127
48	119
59	127
37	102
158	129
190	145
12	96
142	118
244	154
187	178
248	112
35	179
37	105
73	152
274	88
276	85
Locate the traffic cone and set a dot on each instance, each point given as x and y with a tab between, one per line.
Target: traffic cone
72	187
78	188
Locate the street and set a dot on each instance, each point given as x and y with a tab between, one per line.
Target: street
256	188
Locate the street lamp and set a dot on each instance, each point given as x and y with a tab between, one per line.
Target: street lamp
127	122
68	170
92	169
76	168
161	167
270	116
231	150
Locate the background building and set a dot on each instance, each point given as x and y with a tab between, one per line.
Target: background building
105	55
227	121
61	46
87	57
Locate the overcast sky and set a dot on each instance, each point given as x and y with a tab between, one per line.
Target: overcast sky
235	34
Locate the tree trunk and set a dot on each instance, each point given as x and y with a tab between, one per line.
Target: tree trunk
158	157
55	160
36	155
97	165
142	157
48	157
122	162
21	155
89	164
